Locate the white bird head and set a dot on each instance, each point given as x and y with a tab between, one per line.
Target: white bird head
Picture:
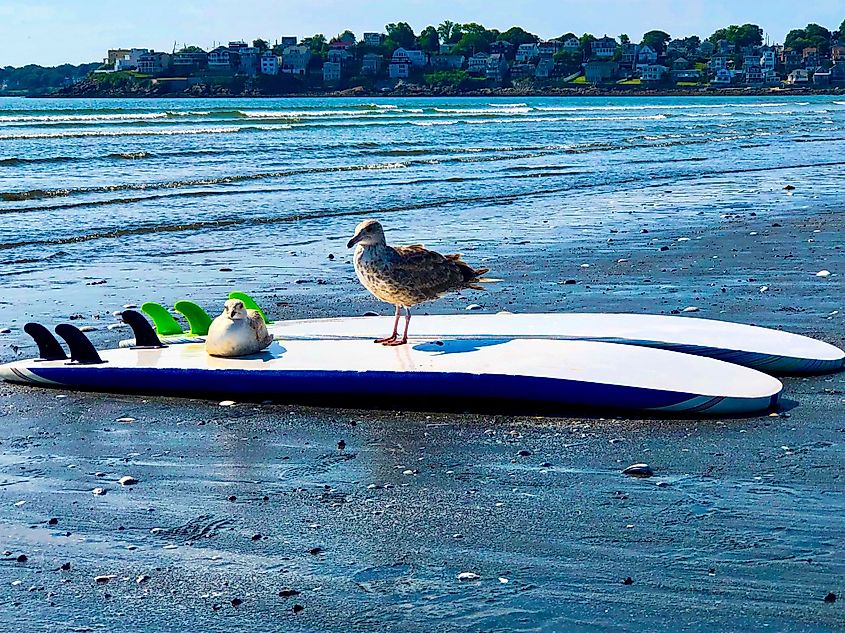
368	233
234	309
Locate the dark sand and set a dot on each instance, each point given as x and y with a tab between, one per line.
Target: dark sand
741	528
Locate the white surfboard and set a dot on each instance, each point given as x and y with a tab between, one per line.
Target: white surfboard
460	373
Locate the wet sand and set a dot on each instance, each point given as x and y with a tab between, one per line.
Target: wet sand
741	527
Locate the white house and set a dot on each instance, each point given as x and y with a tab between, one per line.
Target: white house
497	68
768	60
220	58
526	52
416	57
798	76
549	47
130	61
400	65
652	72
152	63
295	60
269	64
604	48
718	62
572	45
723	77
331	72
646	55
372	39
477	64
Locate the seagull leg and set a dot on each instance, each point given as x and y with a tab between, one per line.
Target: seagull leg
393	336
397	341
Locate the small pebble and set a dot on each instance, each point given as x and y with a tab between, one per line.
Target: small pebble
287	593
256	537
823	273
468	575
142	579
87	328
789	188
127	480
102	580
473	306
225	270
232	498
503	580
297	608
524	453
638	470
341	444
21	558
66	567
690	309
628	581
236	602
830	597
315	550
227	403
5	330
98	492
53	521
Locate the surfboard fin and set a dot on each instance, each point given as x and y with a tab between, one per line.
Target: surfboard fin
48	346
82	351
249	303
165	324
198	319
145	336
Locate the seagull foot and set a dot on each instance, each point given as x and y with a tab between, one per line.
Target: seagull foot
386	340
395	342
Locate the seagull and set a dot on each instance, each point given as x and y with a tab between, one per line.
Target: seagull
406	275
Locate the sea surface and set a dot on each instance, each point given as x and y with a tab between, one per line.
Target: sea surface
160	194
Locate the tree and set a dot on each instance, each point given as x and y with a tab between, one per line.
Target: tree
446	29
516	36
261	45
317	44
475	39
347	36
842	31
429	40
586	43
400	35
656	40
813	36
624	39
192	49
745	35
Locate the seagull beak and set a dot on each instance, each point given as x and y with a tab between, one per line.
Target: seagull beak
353	241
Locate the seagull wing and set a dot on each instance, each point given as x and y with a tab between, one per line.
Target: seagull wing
430	272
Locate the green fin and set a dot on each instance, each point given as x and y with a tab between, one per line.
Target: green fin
198	318
165	324
249	303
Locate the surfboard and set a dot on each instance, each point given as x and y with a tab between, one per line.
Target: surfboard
772	351
459	374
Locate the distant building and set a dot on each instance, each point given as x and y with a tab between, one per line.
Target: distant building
724	77
130	61
545	68
798	76
288	40
628	57
400	65
821	77
527	52
837	53
682	63
477	64
372	39
445	49
604	48
572	45
497	68
331	72
718	62
686	76
549	47
750	60
810	57
237	46
295	60
754	75
706	48
447	62
596	72
371	64
646	56
652	72
188	61
152	63
248	61
501	46
339	55
269	64
523	70
416	57
114	54
220	59
837	73
768	60
791	59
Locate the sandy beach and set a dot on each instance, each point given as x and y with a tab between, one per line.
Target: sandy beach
270	517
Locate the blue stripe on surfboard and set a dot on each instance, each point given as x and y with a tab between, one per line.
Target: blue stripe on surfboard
348	384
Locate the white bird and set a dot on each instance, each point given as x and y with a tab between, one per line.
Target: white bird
407	275
237	332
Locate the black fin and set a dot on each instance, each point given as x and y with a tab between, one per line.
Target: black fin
48	346
145	335
82	351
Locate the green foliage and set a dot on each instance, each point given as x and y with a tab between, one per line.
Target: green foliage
447	79
811	36
261	45
745	35
475	39
39	79
400	35
347	36
429	40
842	31
571	61
586	42
318	45
516	36
624	39
124	80
191	49
656	40
449	32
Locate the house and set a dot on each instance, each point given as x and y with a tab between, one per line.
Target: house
724	77
502	47
706	48
549	47
596	72
724	47
677	46
400	65
523	70
114	54
417	58
837	53
497	68
269	63
248	61
446	62
371	63
798	76
837	73
791	59
446	49
572	45
220	59
821	77
686	76
295	60
187	61
750	60
652	72
718	62
527	52
545	68
754	75
628	58
372	39
331	72
604	48
682	63
339	55
810	57
288	40
768	60
152	63
130	61
477	64
237	46
647	55
343	44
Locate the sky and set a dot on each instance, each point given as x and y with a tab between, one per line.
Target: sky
51	32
